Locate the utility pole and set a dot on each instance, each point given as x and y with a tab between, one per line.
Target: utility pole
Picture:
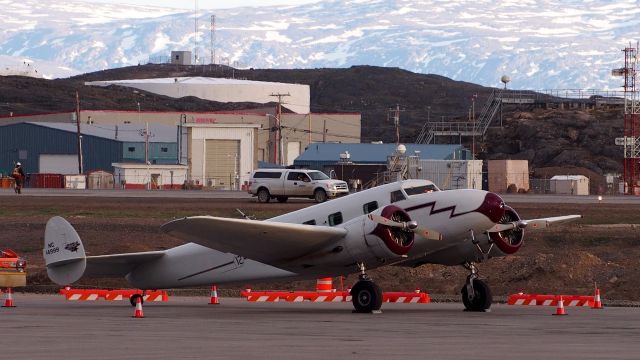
278	134
396	121
78	135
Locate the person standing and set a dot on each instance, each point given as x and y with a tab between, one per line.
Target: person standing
18	176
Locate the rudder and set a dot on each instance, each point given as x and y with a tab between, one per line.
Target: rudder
63	252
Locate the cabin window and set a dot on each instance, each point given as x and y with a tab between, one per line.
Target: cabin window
335	219
309	222
397	196
132	149
421	189
164	149
369	207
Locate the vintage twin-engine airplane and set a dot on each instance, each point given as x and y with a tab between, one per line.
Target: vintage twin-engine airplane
406	223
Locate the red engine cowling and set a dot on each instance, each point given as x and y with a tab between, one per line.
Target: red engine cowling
508	241
397	240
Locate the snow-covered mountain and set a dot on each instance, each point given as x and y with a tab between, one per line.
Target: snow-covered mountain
550	44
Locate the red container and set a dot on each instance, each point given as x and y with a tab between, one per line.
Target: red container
50	181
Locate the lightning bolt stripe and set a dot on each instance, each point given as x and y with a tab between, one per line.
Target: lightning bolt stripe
433	211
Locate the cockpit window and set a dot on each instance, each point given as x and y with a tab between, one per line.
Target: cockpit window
397	196
421	189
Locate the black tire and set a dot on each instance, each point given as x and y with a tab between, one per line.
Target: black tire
282	199
366	296
482	298
134	299
263	195
320	196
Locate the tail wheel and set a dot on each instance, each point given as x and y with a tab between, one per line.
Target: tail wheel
366	296
263	195
481	298
320	196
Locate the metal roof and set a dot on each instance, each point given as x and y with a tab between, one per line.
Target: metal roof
374	153
125	132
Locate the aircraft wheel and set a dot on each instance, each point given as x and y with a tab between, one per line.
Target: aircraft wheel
320	196
282	199
481	299
366	296
263	196
134	299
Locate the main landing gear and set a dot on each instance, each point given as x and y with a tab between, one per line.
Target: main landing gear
476	294
365	294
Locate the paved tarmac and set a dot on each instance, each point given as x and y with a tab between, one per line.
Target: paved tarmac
48	327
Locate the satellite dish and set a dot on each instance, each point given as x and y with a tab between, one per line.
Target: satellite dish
401	149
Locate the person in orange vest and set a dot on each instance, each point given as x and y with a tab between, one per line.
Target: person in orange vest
18	175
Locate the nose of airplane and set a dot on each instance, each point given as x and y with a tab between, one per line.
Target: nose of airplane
492	207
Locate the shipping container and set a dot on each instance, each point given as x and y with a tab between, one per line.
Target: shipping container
78	182
448	174
508	176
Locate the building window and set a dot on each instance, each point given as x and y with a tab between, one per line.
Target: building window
164	149
132	149
335	219
369	207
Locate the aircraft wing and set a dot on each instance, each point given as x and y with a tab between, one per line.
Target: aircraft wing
264	241
534	223
118	264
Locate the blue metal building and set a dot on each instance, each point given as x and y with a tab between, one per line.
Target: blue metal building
102	145
320	155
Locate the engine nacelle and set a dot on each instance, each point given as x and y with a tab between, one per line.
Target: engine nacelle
508	241
378	241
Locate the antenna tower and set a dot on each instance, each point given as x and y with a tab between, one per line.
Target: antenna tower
213	38
195	33
631	123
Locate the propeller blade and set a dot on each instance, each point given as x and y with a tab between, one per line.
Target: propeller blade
384	221
408	226
507	226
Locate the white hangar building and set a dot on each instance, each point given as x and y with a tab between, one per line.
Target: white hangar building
222	90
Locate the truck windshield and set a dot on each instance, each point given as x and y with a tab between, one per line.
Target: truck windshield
317	175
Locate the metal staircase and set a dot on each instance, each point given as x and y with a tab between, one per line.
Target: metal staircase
458	128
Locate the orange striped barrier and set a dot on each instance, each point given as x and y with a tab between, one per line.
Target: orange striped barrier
339	296
324	285
112	295
550	300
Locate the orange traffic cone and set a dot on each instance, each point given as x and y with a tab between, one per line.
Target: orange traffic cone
597	304
560	307
8	302
138	313
324	285
214	296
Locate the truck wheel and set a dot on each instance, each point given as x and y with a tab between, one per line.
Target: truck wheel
263	196
320	196
282	199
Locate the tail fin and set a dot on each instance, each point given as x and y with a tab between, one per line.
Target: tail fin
63	252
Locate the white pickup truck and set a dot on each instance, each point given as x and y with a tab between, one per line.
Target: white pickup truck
282	184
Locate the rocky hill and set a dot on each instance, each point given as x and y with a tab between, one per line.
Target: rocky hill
546	137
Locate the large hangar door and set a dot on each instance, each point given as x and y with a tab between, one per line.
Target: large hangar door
222	163
58	164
